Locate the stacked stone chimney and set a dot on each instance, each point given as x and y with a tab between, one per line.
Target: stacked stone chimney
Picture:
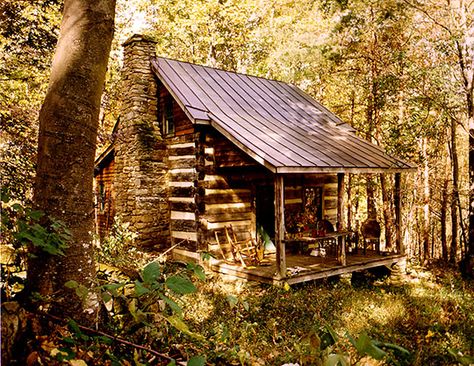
140	182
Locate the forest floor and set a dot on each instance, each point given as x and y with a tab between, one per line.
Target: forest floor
424	317
429	312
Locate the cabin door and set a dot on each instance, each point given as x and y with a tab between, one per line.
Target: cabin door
265	208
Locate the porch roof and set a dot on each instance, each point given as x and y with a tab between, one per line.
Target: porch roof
275	123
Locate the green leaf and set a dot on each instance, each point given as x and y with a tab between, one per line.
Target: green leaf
71	284
336	360
106	297
82	292
172	363
232	300
179	324
197	361
173	305
365	346
140	290
36	215
17	207
113	287
198	271
395	347
180	285
151	272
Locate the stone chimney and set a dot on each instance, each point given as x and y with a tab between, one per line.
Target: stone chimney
140	182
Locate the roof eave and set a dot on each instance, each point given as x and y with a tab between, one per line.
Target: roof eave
353	170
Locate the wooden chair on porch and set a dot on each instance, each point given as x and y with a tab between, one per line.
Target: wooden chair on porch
371	234
233	250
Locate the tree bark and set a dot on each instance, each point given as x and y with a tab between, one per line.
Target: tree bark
387	212
443	219
426	200
66	150
454	201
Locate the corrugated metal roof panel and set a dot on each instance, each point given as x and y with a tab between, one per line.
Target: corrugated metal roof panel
275	123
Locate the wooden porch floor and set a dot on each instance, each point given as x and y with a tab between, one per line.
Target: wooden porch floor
300	268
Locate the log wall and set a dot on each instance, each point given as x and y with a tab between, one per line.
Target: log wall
182	180
226	188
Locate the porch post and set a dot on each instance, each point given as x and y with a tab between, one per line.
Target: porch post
398	227
340	201
280	226
340	218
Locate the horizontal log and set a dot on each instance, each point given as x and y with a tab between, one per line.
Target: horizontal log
330	204
186	131
181	184
330	192
237	191
293	201
177	171
183	215
235	224
184	145
187	235
182	199
181	157
227	198
225	207
231	216
214	181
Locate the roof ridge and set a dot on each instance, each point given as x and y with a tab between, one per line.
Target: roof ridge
224	70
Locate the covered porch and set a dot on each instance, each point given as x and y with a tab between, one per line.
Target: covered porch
300	268
298	256
347	257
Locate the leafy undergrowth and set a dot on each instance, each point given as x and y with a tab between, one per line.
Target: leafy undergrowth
423	318
430	313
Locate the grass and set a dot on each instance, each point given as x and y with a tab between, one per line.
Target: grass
429	312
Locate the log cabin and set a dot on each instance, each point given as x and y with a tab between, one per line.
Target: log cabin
198	150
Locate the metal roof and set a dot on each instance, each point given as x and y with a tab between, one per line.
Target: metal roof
275	123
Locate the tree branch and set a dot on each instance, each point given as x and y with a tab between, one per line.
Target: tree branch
114	338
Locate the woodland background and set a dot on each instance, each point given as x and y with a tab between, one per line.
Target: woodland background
395	70
400	71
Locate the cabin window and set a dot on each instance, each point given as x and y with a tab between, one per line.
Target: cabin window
168	118
312	201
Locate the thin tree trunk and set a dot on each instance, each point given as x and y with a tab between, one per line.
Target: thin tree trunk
454	216
426	200
387	212
443	220
349	202
66	150
371	207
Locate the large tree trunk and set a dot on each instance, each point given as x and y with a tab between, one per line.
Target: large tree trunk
66	151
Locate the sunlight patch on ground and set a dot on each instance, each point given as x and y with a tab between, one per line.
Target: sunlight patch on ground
200	307
365	313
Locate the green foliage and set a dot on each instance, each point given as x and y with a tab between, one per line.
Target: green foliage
25	228
117	248
26	232
147	308
28	34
